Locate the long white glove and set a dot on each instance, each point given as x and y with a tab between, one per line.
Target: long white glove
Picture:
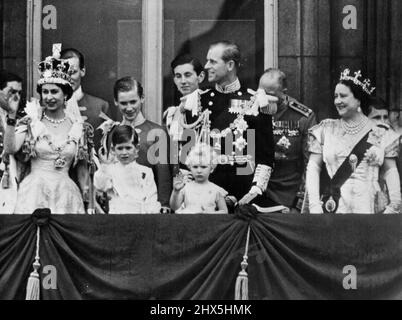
313	187
394	191
263	102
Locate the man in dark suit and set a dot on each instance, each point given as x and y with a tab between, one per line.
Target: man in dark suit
90	106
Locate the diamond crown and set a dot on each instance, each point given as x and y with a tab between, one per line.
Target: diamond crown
365	84
55	70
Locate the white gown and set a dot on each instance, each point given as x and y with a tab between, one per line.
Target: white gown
360	193
48	187
45	186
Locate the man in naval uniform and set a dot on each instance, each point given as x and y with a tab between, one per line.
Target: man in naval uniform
290	128
245	166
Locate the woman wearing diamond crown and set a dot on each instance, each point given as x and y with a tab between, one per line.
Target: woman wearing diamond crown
50	139
348	154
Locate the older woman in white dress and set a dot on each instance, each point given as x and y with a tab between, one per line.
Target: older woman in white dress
349	154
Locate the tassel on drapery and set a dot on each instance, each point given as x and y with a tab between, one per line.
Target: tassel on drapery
33	286
241	288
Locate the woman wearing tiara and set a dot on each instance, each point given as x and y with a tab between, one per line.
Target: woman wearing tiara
50	138
349	154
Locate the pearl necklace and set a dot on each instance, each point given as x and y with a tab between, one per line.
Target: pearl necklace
54	121
354	127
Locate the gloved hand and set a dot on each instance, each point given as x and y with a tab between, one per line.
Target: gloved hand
313	187
263	102
394	190
250	196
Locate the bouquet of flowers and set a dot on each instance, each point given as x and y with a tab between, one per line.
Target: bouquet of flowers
375	156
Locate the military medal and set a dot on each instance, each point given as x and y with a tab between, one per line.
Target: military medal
330	205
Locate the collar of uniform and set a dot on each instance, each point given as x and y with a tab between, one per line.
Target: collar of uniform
230	88
78	94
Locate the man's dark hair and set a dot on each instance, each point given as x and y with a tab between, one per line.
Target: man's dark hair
71	53
187	59
231	52
127	84
6	77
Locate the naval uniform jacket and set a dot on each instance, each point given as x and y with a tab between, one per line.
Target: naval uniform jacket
262	148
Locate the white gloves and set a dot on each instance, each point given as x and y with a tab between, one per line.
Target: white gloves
263	102
394	190
313	187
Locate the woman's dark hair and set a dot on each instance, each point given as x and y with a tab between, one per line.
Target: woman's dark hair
123	134
67	89
359	94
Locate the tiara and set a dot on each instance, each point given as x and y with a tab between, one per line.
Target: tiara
365	84
54	70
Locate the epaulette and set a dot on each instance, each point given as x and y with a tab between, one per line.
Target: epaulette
301	108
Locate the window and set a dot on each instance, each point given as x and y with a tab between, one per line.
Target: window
141	38
192	25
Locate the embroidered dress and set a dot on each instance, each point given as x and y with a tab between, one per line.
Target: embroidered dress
131	187
201	198
48	185
360	193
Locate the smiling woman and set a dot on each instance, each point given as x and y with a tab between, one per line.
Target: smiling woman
349	154
50	139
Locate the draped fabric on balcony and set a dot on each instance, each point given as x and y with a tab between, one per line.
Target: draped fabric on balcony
198	256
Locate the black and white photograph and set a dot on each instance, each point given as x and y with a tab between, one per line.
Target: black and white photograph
222	152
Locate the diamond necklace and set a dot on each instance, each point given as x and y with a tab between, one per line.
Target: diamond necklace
54	121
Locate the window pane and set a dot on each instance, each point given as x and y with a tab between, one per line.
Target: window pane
191	25
107	32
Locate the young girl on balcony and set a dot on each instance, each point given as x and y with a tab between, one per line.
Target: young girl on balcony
200	195
131	187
